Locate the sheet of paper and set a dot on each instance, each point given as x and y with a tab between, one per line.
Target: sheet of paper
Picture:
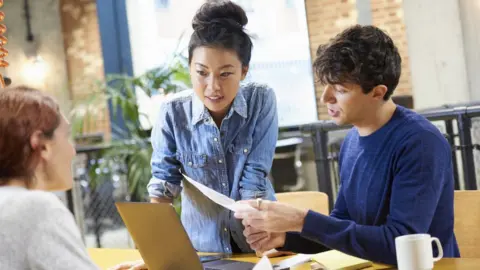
336	260
263	264
275	253
218	197
293	261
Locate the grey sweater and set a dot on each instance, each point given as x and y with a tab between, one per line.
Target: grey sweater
38	232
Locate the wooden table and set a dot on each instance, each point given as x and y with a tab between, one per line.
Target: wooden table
105	258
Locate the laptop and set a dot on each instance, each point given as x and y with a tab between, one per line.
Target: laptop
163	242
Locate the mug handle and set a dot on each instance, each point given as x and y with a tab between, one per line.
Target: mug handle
440	249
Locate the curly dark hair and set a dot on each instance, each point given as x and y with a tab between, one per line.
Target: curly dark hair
363	55
221	24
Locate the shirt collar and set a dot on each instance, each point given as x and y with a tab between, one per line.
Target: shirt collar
240	104
200	112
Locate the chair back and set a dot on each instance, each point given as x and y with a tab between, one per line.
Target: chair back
467	222
314	200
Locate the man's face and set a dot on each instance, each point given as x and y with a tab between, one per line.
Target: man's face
347	104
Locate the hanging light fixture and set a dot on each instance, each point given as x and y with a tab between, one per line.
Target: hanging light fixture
35	68
4	81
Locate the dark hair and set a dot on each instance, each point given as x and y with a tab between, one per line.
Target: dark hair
362	55
221	24
23	111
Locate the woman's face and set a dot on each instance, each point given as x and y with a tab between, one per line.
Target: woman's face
216	74
57	157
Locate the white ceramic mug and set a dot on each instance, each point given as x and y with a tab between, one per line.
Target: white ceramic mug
414	251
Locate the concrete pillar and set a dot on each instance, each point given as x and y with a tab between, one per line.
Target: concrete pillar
443	41
364	11
437	52
470	18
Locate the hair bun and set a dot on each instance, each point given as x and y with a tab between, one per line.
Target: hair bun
223	14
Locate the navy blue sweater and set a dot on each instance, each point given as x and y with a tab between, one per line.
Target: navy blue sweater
395	181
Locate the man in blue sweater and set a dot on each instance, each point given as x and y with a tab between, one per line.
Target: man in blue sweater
395	166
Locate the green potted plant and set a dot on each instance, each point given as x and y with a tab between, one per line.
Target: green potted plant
132	147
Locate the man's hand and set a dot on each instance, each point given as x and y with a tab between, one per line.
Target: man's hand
272	217
261	241
134	265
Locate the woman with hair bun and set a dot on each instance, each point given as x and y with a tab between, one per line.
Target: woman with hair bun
221	134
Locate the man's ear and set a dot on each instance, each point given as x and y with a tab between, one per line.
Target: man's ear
379	91
244	72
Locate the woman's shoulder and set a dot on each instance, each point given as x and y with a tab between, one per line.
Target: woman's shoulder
171	105
257	92
30	207
31	203
173	99
36	202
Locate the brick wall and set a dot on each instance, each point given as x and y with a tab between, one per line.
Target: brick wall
84	57
388	15
325	19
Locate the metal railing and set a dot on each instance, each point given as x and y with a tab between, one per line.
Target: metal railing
462	115
92	202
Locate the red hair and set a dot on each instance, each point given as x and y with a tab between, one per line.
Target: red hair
23	111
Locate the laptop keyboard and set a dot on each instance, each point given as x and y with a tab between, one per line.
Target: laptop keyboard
228	264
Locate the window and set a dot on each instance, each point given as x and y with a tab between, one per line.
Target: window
162	3
290	3
280	58
247	5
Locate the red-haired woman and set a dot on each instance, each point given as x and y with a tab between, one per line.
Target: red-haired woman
36	230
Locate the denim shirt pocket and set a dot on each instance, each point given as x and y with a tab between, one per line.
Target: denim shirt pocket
241	146
193	164
194	161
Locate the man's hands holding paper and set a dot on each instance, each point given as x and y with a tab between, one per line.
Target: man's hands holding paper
271	216
267	223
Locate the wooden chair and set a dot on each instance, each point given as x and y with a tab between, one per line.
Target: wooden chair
467	222
314	200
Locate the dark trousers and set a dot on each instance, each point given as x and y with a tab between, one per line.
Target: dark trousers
235	248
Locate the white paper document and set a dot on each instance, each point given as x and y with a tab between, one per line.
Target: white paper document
263	264
218	197
293	261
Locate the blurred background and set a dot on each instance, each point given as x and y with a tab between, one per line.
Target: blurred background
110	63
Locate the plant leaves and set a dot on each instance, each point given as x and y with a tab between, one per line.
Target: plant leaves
132	147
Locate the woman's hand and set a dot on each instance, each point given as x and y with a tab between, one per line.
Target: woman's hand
133	265
274	217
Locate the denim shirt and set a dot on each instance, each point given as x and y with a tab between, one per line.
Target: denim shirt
234	160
